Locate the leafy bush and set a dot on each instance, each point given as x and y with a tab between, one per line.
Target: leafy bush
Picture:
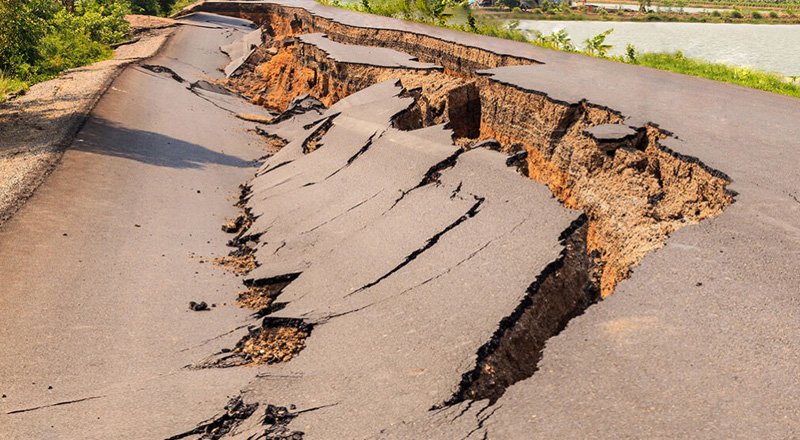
40	38
773	14
180	4
559	39
631	54
596	46
736	14
21	28
104	21
757	15
148	7
69	44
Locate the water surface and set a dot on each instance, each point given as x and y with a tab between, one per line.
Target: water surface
773	47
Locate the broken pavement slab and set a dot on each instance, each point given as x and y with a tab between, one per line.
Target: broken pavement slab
494	232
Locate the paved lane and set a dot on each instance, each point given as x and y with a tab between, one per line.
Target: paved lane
99	267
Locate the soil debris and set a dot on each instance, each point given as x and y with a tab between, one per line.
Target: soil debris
271	345
236	411
238	264
276	420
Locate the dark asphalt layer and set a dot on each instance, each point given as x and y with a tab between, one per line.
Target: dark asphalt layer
99	266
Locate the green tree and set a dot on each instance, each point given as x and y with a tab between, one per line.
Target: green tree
147	7
21	28
508	3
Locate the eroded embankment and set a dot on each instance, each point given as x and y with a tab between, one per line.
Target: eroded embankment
632	190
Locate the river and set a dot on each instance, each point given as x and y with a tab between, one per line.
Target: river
773	47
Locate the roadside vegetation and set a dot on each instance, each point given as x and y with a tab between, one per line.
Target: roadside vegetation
39	39
666	11
461	17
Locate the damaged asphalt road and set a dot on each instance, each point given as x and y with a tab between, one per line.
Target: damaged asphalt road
371	223
408	246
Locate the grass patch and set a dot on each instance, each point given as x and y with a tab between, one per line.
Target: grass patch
9	85
179	5
676	62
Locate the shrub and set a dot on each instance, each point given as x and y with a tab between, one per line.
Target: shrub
40	38
69	45
736	14
180	4
10	85
148	7
773	14
596	46
716	14
104	21
21	28
631	54
757	15
559	39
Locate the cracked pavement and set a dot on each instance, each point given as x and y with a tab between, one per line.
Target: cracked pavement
403	255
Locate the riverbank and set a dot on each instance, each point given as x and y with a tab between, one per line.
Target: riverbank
463	18
614	13
759	5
